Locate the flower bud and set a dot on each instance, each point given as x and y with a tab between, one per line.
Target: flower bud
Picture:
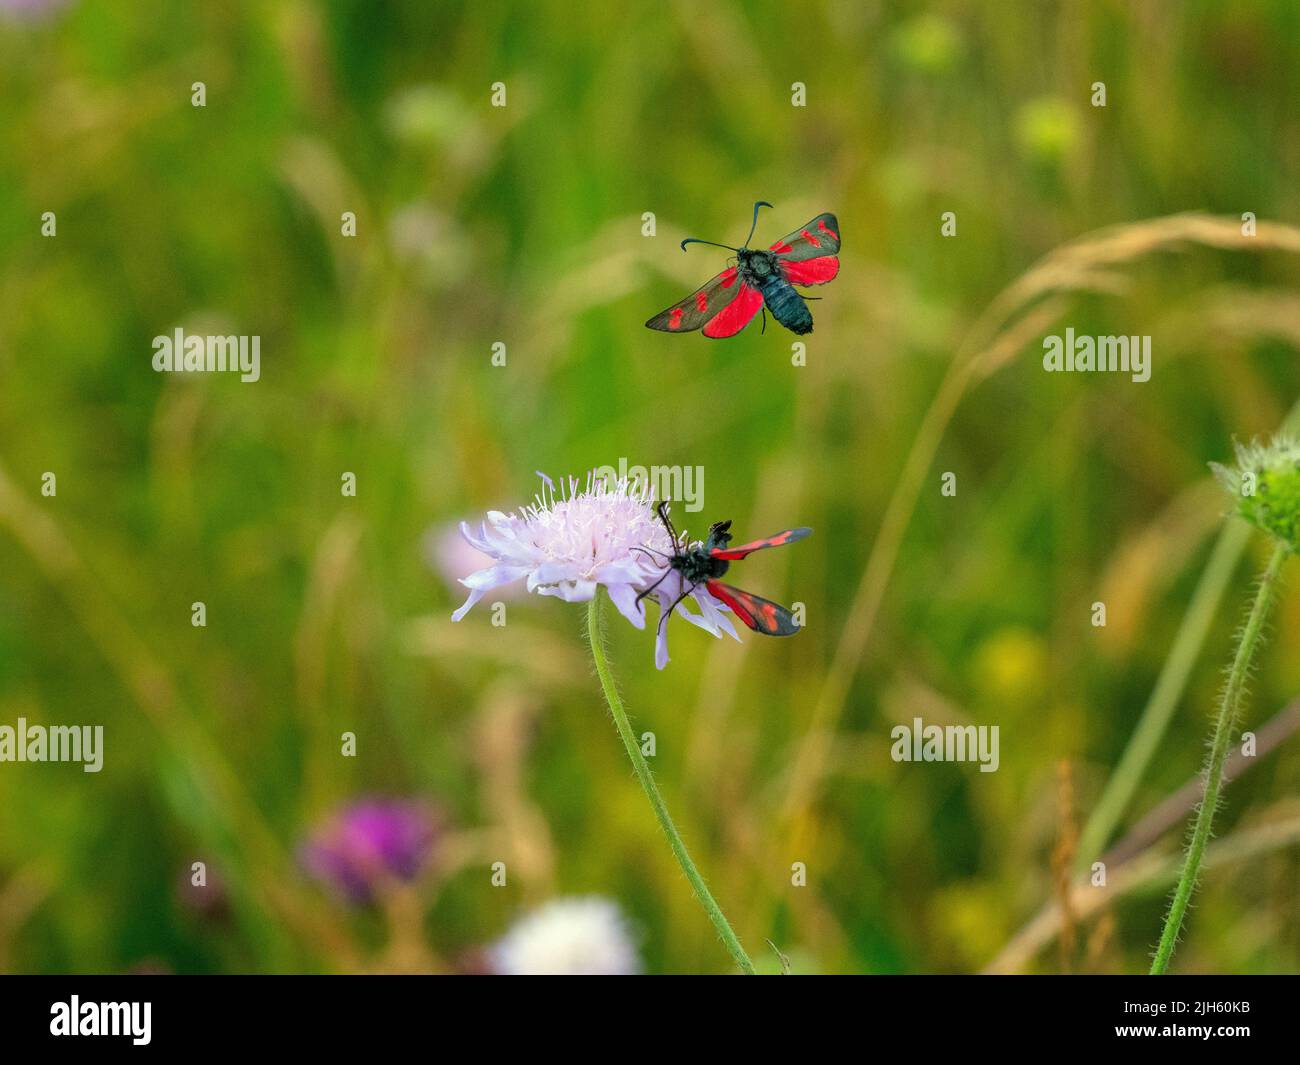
1265	484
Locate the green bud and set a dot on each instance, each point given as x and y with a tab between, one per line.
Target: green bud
1265	485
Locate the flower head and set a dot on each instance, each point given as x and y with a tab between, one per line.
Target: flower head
370	843
568	937
567	544
1266	486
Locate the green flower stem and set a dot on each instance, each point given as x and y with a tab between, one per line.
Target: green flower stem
1159	711
1225	723
595	633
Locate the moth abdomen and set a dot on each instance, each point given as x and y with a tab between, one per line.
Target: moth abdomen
786	305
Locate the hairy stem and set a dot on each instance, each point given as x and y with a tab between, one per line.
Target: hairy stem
595	633
1170	685
1225	722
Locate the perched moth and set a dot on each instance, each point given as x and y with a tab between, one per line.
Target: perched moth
706	563
755	279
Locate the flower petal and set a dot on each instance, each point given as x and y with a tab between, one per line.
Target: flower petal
712	609
494	576
699	620
624	597
550	573
474	597
478	542
570	591
618	573
484	581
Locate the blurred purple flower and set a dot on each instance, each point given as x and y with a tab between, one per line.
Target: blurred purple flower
209	899
369	843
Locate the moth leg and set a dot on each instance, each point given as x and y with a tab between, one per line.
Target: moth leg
654	586
764	329
669	612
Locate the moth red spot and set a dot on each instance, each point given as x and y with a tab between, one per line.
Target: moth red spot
727	278
735	315
675	318
701	300
810	238
811	271
781	247
821	224
769	615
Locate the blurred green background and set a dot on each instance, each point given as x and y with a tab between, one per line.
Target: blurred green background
523	225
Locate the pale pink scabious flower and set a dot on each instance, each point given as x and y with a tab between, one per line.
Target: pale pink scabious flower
568	543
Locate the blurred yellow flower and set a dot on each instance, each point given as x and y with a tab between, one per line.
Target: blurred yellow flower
928	43
971	920
1047	130
1010	666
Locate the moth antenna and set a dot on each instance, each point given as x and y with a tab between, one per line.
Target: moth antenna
754	225
662	511
696	240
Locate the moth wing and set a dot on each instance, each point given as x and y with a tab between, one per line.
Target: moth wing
731	554
761	615
811	271
735	315
820	237
701	306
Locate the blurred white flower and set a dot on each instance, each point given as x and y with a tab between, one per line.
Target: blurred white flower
584	936
568	544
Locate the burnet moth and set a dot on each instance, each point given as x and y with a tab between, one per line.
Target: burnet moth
709	561
756	278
